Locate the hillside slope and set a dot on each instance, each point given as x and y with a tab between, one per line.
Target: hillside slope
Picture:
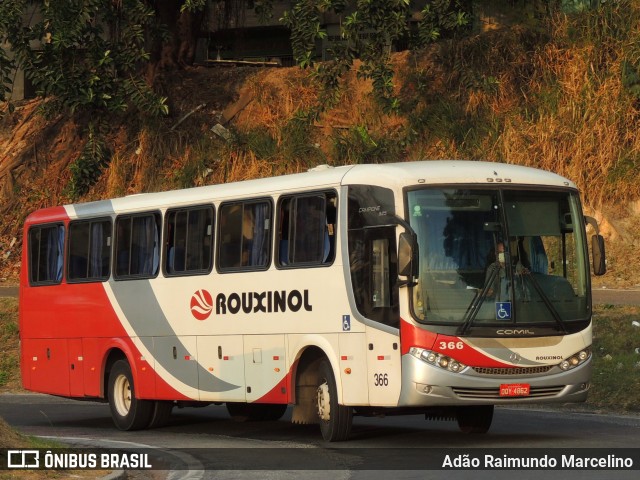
555	98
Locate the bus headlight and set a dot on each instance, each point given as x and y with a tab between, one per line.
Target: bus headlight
575	360
437	359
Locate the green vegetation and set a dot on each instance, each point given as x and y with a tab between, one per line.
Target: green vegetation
9	353
616	343
546	89
559	93
97	61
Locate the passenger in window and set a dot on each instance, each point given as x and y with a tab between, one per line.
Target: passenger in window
247	236
330	239
501	284
496	260
122	244
231	236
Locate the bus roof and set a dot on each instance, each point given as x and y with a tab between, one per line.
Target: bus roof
391	175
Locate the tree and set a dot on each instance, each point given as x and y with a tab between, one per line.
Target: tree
369	30
94	58
99	58
83	55
93	55
182	20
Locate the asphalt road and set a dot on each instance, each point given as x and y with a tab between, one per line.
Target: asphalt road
8	291
616	296
204	443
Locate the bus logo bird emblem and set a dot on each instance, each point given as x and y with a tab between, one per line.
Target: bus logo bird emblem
201	305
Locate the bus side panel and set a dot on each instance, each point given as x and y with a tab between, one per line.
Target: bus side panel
147	380
178	356
68	311
221	378
43	312
92	367
25	365
46	360
281	393
265	368
75	363
383	367
353	368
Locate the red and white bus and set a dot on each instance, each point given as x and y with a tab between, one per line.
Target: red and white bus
436	287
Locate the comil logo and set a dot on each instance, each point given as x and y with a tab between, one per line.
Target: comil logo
201	305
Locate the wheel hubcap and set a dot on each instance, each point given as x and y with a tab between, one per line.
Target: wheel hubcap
122	394
324	403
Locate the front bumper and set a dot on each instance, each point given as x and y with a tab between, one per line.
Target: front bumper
427	385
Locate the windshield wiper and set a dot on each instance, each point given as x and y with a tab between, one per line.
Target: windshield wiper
474	307
547	302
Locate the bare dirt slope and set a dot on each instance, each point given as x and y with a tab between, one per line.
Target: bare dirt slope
257	106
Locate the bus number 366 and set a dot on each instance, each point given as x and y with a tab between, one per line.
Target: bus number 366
451	345
381	379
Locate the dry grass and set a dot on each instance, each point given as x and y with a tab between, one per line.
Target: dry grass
9	345
9	438
549	97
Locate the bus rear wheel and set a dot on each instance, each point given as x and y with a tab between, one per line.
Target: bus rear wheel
127	411
161	414
335	419
475	419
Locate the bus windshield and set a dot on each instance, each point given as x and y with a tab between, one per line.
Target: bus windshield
499	257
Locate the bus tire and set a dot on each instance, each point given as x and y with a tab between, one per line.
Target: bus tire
475	419
127	411
243	412
335	419
161	414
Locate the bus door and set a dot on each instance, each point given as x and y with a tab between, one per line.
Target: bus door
373	264
379	302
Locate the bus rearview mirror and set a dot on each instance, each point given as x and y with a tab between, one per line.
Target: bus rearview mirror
407	253
598	255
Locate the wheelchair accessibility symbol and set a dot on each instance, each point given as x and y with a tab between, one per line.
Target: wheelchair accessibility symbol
503	310
346	323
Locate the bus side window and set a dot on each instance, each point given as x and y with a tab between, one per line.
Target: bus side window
244	236
330	230
283	232
89	250
46	254
188	241
137	246
306	229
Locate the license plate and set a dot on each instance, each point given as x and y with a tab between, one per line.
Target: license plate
514	390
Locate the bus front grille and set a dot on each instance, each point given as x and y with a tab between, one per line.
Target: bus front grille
494	393
513	371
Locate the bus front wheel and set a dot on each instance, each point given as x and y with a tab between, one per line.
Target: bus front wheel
335	419
475	419
127	411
